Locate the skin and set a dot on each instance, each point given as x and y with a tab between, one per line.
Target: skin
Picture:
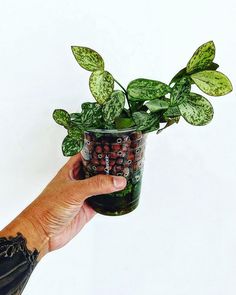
60	211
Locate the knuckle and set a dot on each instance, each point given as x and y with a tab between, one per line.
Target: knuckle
100	181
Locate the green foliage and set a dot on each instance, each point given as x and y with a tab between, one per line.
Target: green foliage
145	89
149	102
91	115
179	91
172	112
212	82
122	123
146	122
87	58
196	110
183	73
101	84
61	117
157	105
202	57
75	132
71	146
75	117
114	106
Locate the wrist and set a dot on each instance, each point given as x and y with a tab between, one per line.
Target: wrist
31	231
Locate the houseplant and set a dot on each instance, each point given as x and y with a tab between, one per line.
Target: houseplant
111	132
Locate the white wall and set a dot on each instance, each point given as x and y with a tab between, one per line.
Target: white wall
182	238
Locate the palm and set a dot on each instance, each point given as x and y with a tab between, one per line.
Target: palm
66	217
85	214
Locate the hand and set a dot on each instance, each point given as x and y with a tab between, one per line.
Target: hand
60	211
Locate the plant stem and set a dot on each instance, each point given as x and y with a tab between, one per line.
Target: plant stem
126	95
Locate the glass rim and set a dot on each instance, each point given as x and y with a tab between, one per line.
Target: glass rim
100	130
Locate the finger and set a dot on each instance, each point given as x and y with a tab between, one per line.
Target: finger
74	163
97	185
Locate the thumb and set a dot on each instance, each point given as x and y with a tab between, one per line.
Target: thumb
99	184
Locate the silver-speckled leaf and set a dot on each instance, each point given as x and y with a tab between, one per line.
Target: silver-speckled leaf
114	106
212	82
75	132
196	110
179	90
91	115
145	89
202	57
146	122
87	58
101	84
76	120
171	112
61	117
156	105
183	72
71	146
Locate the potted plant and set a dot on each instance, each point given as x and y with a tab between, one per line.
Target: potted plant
111	132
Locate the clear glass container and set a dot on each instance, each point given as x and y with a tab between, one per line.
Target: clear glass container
115	152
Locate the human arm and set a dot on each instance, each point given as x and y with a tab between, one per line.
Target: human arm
49	222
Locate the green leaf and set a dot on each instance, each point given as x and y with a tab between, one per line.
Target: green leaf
125	191
101	84
196	110
180	89
212	82
71	146
88	58
61	117
145	89
213	66
114	106
75	117
75	132
146	122
137	106
76	120
157	105
172	111
124	123
91	115
202	57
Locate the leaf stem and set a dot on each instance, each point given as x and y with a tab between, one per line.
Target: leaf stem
126	95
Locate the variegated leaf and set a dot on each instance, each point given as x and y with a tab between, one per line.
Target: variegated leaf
91	115
75	132
146	122
156	105
213	66
145	89
196	110
212	82
172	111
114	106
179	90
61	117
76	119
71	146
202	57
88	58
101	84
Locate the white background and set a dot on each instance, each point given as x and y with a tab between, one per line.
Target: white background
181	240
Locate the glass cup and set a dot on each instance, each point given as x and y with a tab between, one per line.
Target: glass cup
115	152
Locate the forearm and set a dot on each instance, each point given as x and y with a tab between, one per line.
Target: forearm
22	245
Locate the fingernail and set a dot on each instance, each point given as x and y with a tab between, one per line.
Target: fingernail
119	182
